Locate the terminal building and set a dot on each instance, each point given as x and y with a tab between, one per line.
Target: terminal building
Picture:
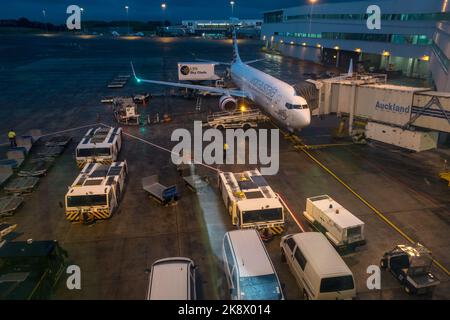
247	27
413	41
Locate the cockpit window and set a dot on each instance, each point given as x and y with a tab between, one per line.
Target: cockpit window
296	106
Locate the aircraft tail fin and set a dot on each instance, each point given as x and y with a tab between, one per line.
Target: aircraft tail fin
134	72
350	69
236	57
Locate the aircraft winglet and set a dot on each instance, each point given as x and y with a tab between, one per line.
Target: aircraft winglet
134	72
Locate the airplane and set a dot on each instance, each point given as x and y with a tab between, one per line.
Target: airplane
276	98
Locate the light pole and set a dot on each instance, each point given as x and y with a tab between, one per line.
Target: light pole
82	11
46	26
163	7
232	8
128	19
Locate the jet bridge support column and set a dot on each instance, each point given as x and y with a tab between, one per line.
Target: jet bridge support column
352	109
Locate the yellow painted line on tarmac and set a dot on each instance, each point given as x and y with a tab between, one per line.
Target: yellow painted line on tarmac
370	206
320	146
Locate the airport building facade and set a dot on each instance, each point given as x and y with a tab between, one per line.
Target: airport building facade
247	27
414	38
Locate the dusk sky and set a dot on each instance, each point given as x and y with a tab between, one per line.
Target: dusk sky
143	10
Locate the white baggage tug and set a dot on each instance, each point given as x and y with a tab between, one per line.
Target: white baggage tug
96	192
99	145
251	202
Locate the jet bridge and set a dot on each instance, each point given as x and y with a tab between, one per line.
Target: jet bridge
370	98
408	117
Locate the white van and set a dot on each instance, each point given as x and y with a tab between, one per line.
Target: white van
318	268
249	270
172	279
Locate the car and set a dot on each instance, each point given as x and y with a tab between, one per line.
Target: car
319	270
172	279
248	268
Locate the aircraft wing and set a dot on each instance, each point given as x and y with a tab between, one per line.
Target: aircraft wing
224	91
253	61
214	62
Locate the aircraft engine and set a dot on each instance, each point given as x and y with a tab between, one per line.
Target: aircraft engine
228	103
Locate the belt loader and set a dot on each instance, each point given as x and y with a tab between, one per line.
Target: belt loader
96	192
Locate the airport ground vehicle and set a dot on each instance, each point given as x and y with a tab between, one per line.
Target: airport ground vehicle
250	201
343	229
30	269
319	270
172	279
99	145
141	98
411	266
232	120
96	192
248	268
125	111
162	194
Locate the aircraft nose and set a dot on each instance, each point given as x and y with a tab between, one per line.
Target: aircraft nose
302	118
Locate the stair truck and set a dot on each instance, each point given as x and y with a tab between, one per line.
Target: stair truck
340	226
96	192
251	202
30	269
99	145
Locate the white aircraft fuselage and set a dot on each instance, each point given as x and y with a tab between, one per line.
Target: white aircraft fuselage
275	97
